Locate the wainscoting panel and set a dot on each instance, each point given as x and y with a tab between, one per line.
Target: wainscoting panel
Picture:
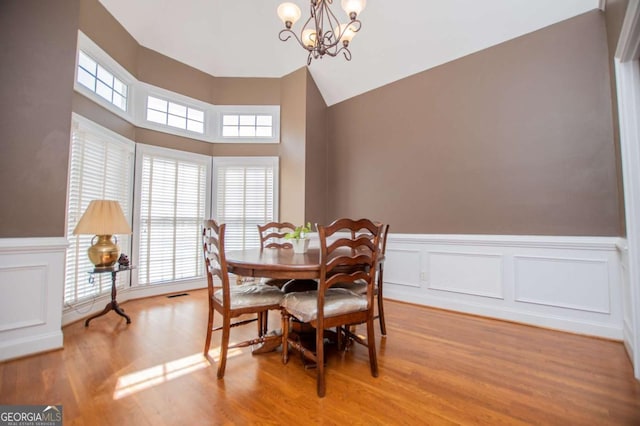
31	285
406	267
27	307
567	283
467	273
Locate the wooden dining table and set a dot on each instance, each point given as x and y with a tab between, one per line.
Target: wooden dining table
274	263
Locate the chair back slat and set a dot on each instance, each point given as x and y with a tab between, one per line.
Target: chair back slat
348	258
272	234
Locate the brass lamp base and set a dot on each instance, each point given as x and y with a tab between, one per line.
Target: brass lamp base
104	253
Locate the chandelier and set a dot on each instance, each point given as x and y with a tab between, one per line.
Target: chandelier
322	34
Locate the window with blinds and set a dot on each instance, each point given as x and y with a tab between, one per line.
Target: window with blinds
101	167
244	195
172	191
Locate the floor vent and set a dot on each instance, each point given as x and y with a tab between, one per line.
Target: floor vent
177	295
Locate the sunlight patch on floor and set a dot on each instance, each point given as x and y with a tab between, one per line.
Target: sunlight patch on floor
137	381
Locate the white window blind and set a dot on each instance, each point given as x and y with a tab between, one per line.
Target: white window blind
244	195
172	201
101	167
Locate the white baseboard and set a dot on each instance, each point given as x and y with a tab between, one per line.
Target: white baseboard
31	344
565	283
88	308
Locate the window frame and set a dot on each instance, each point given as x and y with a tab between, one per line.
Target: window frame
141	150
105	61
270	110
102	280
261	161
145	90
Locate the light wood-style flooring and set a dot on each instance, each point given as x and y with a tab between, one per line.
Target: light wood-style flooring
436	368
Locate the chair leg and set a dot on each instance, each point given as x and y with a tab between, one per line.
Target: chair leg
322	387
371	344
383	325
285	336
265	323
224	346
263	317
207	343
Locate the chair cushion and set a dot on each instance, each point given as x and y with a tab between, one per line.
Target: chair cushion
252	295
304	305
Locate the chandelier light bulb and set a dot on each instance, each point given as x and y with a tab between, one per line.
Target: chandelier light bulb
353	7
309	37
289	13
347	33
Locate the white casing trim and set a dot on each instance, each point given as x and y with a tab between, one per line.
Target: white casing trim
627	70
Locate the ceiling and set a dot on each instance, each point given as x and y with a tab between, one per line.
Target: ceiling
239	38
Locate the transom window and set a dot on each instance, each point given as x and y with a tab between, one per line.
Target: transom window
106	82
175	115
247	125
99	80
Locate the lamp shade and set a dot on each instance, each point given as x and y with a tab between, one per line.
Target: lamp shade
289	12
353	6
103	217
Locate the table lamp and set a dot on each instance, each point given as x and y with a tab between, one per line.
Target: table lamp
103	218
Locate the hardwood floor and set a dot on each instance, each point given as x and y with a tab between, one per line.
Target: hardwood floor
436	367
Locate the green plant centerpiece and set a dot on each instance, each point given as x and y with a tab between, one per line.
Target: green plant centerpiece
299	238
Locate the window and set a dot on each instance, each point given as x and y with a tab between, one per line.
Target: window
175	115
101	167
252	126
244	195
172	192
248	124
106	82
99	80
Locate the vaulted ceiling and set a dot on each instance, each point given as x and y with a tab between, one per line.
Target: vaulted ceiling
239	38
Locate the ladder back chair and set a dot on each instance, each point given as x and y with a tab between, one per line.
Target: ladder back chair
272	236
350	256
232	301
361	287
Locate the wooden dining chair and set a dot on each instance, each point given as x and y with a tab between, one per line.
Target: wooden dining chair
272	236
232	301
361	287
345	257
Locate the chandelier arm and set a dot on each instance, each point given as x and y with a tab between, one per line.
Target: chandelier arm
346	52
286	34
331	38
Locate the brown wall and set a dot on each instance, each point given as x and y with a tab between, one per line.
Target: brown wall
316	191
516	139
101	27
36	86
292	147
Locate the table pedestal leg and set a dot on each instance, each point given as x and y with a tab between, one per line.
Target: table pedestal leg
111	306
